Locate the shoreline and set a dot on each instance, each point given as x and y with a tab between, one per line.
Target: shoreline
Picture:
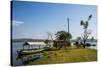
66	56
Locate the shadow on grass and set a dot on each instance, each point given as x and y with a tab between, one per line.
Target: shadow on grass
26	62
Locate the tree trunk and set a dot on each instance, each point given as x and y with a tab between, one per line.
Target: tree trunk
84	43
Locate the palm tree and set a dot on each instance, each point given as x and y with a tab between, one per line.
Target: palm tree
85	27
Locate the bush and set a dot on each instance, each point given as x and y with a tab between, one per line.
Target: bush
47	48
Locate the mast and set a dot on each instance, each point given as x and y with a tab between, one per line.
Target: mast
68	24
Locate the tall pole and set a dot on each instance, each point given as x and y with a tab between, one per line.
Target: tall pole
68	24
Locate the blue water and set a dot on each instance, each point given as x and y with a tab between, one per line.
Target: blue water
18	46
93	47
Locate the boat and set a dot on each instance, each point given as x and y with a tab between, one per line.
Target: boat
30	51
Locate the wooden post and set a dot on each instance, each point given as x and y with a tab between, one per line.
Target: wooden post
39	46
29	47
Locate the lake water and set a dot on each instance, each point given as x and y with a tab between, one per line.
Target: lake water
93	47
18	45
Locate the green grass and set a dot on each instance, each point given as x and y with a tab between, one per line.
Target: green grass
66	56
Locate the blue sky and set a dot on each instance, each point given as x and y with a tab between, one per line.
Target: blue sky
35	19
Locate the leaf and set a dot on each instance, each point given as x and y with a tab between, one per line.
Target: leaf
82	23
90	17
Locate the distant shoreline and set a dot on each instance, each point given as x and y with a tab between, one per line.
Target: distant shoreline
42	40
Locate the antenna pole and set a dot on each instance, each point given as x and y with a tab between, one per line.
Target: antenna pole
68	24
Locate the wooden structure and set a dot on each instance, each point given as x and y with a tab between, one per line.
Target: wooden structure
32	44
31	49
61	44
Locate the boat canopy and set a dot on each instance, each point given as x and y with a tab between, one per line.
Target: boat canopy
36	43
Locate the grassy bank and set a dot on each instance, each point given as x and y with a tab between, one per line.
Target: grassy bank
66	56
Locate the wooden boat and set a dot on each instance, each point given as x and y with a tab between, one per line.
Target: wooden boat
26	52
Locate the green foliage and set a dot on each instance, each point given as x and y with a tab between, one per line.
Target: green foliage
46	41
78	38
90	16
47	48
62	35
92	39
85	25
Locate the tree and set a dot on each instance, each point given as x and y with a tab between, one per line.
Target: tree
46	41
62	35
78	38
92	38
86	31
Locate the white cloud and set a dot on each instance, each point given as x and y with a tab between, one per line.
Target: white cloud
17	23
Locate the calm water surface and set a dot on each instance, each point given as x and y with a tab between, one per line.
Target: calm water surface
18	46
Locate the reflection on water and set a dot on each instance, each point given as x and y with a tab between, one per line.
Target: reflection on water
27	58
19	60
93	45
